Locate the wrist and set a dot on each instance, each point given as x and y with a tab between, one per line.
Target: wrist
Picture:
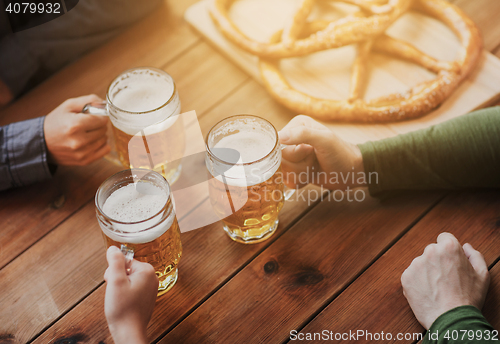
125	333
359	168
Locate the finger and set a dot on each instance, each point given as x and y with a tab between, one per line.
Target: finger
476	259
140	271
297	153
443	237
97	151
302	120
94	135
141	267
449	244
77	104
116	261
302	134
90	122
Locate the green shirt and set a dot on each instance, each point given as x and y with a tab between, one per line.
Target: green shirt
463	324
463	153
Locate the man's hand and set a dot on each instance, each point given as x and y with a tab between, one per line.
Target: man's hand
313	148
130	299
73	138
445	276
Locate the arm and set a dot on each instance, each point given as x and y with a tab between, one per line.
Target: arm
446	287
460	153
130	299
63	137
463	318
23	154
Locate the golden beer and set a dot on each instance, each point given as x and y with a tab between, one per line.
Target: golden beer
248	194
135	212
258	217
144	108
132	152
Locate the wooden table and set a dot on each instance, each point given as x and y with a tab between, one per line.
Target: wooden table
332	266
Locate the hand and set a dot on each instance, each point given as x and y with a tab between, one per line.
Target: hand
73	138
445	276
315	149
130	299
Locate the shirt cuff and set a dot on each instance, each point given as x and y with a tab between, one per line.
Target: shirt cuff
27	152
454	325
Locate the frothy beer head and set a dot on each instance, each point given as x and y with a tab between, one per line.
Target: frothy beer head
251	145
129	205
144	93
139	213
254	139
143	99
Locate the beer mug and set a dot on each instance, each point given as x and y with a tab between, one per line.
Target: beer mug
246	190
144	107
136	213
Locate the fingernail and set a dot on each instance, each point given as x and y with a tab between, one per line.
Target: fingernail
284	135
114	248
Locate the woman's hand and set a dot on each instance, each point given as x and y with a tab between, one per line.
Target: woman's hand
130	299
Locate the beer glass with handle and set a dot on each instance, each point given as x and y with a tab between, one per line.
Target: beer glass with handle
144	108
136	213
249	193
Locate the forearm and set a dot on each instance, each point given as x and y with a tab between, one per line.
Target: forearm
457	154
23	154
463	324
128	334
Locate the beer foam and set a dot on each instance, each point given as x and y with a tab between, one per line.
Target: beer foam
252	146
128	205
143	94
140	93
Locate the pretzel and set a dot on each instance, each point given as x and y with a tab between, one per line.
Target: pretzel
416	102
348	30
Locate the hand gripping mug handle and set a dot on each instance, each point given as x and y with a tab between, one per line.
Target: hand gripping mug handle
287	192
96	109
129	255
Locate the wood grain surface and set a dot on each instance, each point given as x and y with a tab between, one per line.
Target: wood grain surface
375	301
329	264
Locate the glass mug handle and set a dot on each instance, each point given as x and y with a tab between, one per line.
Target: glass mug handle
129	255
287	192
96	109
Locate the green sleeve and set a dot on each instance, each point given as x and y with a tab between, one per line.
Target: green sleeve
458	154
463	324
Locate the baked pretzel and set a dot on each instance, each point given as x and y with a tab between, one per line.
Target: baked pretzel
416	102
348	30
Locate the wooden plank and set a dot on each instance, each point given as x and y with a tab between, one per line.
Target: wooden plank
209	259
199	276
375	301
484	14
26	218
303	269
21	231
30	213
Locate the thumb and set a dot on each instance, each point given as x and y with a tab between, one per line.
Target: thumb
116	262
302	134
475	258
